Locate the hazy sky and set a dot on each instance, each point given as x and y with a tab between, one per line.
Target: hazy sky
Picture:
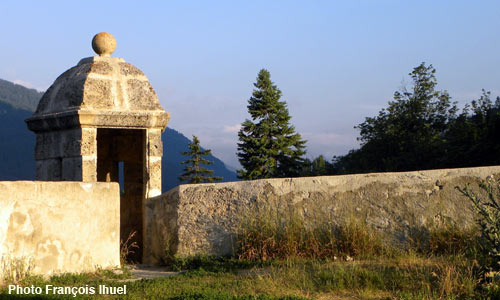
336	62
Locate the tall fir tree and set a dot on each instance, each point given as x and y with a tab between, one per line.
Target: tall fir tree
269	146
194	172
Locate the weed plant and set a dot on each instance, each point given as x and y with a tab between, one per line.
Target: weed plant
488	209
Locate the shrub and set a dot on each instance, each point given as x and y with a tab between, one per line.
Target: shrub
488	208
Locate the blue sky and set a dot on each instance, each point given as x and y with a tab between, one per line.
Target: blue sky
336	62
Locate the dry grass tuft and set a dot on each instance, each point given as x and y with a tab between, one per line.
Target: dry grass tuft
15	269
127	248
269	234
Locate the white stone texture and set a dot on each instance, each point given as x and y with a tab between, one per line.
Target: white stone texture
61	226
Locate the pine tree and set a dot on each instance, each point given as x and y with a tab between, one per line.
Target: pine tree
193	172
269	146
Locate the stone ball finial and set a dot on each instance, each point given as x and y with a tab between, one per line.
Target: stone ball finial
104	44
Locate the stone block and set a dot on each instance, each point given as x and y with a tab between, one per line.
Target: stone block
154	172
89	168
97	94
48	169
70	142
88	141
141	95
155	145
72	169
101	67
127	69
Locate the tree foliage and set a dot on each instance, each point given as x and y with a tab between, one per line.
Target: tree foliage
317	167
421	129
269	146
194	172
409	132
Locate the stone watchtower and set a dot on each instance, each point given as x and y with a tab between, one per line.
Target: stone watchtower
102	121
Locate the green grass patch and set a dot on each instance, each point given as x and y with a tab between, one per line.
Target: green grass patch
404	277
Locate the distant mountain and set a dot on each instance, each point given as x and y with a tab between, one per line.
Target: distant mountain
17	143
19	96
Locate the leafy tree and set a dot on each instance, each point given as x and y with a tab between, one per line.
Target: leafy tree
474	137
269	146
193	172
409	134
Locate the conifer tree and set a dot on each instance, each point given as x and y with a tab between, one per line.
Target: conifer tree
269	146
194	172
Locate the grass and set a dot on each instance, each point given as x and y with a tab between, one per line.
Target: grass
15	269
267	234
404	277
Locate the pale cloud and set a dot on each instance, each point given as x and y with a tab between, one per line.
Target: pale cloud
328	138
28	85
232	128
329	143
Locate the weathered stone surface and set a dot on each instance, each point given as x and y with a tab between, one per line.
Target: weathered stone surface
71	169
127	69
203	218
88	142
153	175
101	67
99	84
95	94
141	95
48	169
155	145
61	226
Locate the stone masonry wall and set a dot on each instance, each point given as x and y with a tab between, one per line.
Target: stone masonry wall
204	218
60	226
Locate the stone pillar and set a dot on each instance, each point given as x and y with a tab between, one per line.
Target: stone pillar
88	151
152	188
154	152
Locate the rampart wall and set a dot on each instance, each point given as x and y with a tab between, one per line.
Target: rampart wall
204	218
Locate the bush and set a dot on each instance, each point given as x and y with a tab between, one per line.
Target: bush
488	208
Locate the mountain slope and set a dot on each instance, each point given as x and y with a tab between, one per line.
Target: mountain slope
17	143
19	96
